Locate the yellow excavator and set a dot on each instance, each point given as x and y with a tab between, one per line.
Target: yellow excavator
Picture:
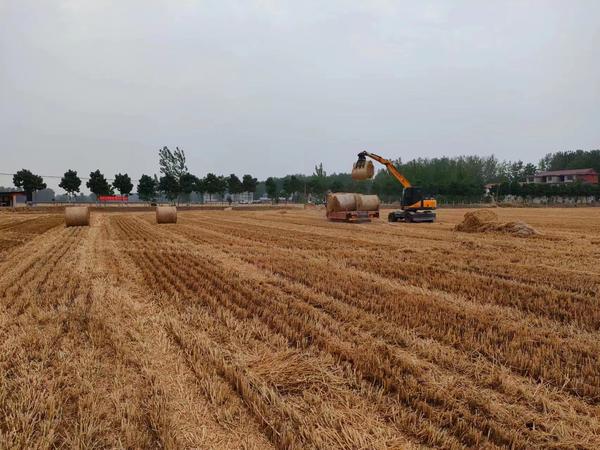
415	205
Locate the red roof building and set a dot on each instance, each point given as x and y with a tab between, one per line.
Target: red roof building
589	176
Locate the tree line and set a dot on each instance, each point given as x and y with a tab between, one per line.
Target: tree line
457	178
578	159
448	178
176	182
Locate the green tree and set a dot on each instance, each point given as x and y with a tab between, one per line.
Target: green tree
286	187
123	184
173	165
271	186
222	186
234	185
529	170
29	182
319	172
187	183
169	186
98	184
172	162
292	185
70	182
545	162
211	184
249	183
199	187
336	185
317	185
318	181
577	159
146	188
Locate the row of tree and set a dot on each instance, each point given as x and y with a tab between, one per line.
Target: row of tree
578	159
530	190
176	181
461	177
457	178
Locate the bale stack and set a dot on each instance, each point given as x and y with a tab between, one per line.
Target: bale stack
342	201
363	170
166	214
77	216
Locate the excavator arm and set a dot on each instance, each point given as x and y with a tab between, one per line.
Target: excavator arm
362	156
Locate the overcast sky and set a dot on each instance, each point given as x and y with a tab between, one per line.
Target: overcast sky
273	87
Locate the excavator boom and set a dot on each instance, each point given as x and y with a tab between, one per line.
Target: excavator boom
388	164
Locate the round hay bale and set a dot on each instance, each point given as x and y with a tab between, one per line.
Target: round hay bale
328	203
367	202
166	214
476	220
77	216
364	172
341	201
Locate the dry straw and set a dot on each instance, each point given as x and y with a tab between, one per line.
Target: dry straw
77	216
484	220
166	214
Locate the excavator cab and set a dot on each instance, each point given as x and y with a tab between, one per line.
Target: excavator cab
415	198
416	206
411	196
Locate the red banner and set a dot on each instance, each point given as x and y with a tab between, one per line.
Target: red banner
113	198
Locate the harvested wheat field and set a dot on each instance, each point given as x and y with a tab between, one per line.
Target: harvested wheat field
278	329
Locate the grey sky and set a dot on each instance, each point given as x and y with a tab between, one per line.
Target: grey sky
273	87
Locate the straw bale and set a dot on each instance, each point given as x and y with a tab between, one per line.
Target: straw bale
166	214
77	216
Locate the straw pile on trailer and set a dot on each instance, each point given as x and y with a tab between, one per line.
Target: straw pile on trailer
77	216
363	170
166	214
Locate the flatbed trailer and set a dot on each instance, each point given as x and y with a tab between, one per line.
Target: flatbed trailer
353	216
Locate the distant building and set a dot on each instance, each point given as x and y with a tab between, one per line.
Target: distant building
589	176
13	198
